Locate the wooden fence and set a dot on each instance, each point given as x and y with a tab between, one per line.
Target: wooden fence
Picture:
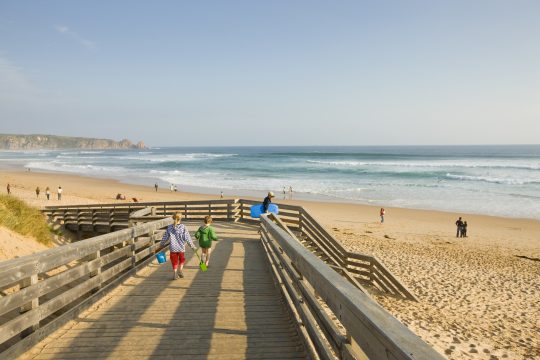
365	271
338	320
43	291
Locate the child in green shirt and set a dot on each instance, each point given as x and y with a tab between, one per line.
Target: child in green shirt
205	235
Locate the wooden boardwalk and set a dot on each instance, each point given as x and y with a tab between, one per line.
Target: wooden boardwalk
232	311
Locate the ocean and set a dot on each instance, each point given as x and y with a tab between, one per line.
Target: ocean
491	180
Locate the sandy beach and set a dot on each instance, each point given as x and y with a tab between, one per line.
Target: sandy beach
479	296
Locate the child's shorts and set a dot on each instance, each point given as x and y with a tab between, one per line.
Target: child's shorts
177	257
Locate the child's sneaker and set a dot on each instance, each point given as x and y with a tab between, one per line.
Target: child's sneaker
181	274
175	277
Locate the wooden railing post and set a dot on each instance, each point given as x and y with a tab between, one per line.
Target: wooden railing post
131	243
96	272
33	304
300	218
241	210
352	350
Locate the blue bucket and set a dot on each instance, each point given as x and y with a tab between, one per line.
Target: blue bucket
160	256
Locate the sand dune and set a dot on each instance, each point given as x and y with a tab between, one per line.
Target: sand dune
15	245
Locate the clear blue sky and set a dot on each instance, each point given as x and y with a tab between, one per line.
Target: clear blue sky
273	72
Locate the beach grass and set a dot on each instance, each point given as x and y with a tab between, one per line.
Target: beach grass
23	219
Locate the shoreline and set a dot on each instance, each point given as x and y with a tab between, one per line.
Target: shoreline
478	296
486	230
213	193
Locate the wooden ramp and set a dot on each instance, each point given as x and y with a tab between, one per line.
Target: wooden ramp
232	311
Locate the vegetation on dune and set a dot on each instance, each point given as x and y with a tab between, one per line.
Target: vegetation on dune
17	216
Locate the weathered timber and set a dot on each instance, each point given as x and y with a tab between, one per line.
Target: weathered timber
375	330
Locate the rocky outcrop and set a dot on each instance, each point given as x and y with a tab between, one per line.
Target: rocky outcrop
37	142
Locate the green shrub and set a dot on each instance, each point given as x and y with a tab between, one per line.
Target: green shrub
17	216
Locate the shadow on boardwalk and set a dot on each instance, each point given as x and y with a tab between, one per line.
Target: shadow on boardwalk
232	311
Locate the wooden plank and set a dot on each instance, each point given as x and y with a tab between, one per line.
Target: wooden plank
379	267
314	226
329	251
365	274
383	284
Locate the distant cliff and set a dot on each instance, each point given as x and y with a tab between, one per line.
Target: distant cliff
37	142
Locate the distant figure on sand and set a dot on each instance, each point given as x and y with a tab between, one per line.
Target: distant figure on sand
221	195
175	188
8	189
459	225
284	193
135	200
381	213
206	235
178	235
156	186
172	187
59	193
37	192
48	193
267	201
464	229
290	192
120	197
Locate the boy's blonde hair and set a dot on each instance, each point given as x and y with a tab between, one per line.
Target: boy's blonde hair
207	219
177	217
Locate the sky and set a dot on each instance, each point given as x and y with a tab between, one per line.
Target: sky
224	73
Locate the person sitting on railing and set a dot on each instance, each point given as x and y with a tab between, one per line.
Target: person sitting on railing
178	235
267	201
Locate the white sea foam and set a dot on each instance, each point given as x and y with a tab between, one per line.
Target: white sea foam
82	152
490	185
74	168
429	164
489	179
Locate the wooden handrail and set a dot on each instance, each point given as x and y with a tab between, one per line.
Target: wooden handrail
78	269
378	334
294	218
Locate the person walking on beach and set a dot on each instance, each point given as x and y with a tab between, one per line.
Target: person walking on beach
59	193
48	193
172	187
221	195
459	225
267	201
290	192
156	186
381	213
206	235
38	190
8	187
178	235
284	193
